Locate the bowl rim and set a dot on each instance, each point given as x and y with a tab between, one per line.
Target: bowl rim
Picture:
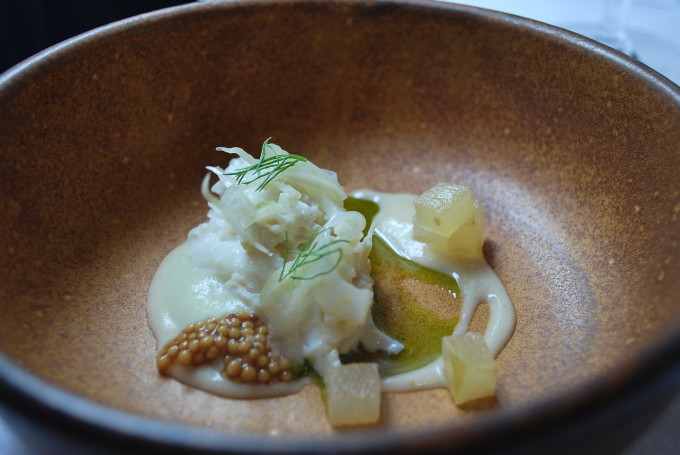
655	369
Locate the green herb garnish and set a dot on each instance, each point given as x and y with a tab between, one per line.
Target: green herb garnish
266	168
309	253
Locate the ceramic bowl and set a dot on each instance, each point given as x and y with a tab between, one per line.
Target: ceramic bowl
573	149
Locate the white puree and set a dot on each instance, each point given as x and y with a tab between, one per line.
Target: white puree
477	281
182	293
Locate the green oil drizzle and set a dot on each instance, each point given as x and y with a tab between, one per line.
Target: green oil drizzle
307	370
412	304
368	209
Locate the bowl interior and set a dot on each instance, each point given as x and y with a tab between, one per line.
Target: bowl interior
572	150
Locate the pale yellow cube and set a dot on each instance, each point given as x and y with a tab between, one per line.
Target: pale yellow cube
353	394
469	367
449	219
444	208
468	240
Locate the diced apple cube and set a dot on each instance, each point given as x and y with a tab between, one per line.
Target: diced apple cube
353	394
469	367
444	208
451	220
468	240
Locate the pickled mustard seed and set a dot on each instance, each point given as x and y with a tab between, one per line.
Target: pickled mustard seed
240	339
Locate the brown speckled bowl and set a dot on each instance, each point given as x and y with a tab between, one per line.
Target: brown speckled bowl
573	149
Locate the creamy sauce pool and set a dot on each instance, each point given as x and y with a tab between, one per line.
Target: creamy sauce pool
182	293
477	281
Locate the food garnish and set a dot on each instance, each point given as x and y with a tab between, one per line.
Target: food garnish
469	367
266	168
450	219
309	253
239	340
282	271
353	394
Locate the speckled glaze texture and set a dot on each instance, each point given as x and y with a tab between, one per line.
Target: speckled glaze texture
573	150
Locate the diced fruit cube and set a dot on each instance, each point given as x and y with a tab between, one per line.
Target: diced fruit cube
444	208
451	220
468	240
353	394
469	367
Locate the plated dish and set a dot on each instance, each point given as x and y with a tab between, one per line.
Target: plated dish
571	148
276	287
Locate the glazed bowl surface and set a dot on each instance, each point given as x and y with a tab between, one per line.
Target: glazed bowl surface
573	149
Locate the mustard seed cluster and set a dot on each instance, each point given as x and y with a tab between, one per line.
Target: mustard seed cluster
240	339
